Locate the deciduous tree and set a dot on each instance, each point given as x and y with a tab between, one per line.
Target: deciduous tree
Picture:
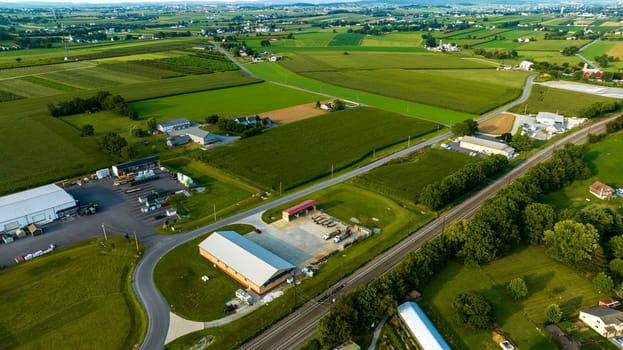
553	313
517	288
602	283
570	241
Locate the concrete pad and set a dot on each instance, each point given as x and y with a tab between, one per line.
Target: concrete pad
179	326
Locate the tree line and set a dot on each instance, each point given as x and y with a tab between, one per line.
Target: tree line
501	224
102	100
441	193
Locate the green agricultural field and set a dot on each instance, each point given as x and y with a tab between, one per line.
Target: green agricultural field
473	91
565	102
79	297
343	201
471	86
178	277
278	73
59	152
294	154
551	45
243	100
603	159
404	179
26	88
394	39
346	39
548	56
49	83
548	282
603	48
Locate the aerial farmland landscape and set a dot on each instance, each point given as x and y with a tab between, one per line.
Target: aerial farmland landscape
324	175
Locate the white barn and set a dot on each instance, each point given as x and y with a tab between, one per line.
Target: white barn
420	327
35	206
526	65
201	136
486	146
604	320
250	264
176	124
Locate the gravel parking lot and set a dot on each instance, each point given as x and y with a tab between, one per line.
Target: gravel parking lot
299	242
119	211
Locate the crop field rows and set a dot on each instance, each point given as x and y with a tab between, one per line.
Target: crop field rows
336	140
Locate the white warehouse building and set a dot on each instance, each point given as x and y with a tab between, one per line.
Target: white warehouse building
486	146
35	206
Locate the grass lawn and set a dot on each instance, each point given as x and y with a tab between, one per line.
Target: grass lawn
178	277
565	102
349	198
404	179
548	282
604	159
294	154
278	73
236	101
394	39
222	193
79	297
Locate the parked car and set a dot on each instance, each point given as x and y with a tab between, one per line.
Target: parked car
257	230
230	308
159	216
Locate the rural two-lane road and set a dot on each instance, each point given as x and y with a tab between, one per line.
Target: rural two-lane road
157	246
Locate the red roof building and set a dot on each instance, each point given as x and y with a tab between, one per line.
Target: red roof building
302	208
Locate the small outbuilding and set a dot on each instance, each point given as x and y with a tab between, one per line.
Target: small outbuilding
134	166
300	209
609	302
547	118
526	65
601	190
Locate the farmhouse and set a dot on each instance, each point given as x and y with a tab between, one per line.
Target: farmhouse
245	261
420	328
201	136
136	166
38	205
247	120
601	190
300	209
548	118
486	146
605	321
176	124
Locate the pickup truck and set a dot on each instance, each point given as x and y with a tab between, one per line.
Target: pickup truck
329	235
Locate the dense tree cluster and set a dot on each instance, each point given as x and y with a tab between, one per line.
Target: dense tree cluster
245	131
466	127
598	109
614	125
102	100
472	310
117	146
441	193
569	50
497	54
605	60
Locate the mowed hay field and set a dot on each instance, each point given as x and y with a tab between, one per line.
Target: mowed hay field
405	178
292	114
77	298
565	102
498	125
294	154
235	101
440	80
548	282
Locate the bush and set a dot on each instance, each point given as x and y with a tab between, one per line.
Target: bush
517	288
87	130
553	314
473	310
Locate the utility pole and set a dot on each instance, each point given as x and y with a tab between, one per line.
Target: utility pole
409	141
104	229
214	205
136	241
331	169
280	188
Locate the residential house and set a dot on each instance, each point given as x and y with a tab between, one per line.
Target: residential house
605	321
253	120
601	190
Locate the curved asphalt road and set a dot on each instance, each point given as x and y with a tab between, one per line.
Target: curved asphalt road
157	246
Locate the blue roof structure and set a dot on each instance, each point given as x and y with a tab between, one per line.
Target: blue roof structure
424	331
